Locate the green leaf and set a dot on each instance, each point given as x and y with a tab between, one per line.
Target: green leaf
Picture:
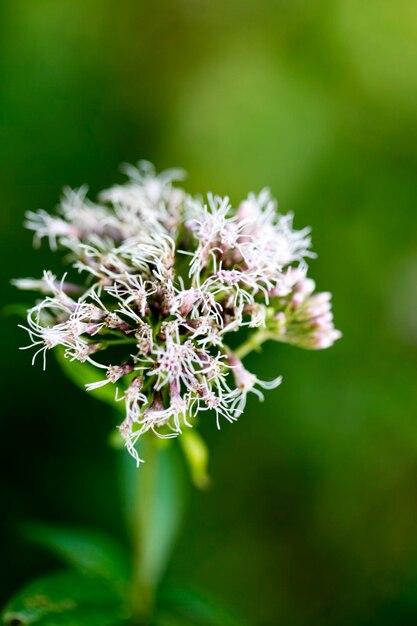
84	373
65	598
115	440
89	552
191	608
197	456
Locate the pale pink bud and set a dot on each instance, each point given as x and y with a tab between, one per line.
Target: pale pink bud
115	372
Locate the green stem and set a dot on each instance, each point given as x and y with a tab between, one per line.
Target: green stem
143	589
253	343
155	495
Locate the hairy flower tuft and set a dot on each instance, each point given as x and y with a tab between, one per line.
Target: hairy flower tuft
159	281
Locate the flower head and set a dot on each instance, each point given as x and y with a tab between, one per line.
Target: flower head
165	279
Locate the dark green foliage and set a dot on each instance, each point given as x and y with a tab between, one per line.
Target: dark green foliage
89	552
67	599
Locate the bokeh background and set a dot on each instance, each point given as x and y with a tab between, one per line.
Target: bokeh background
312	518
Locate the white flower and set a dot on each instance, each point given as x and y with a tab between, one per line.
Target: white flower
45	225
272	234
164	281
246	382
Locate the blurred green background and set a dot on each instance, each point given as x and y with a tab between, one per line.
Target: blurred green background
312	518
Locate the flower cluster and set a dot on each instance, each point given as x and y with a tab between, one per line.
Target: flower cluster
167	279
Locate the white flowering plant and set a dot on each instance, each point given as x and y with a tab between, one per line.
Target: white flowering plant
172	278
165	295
